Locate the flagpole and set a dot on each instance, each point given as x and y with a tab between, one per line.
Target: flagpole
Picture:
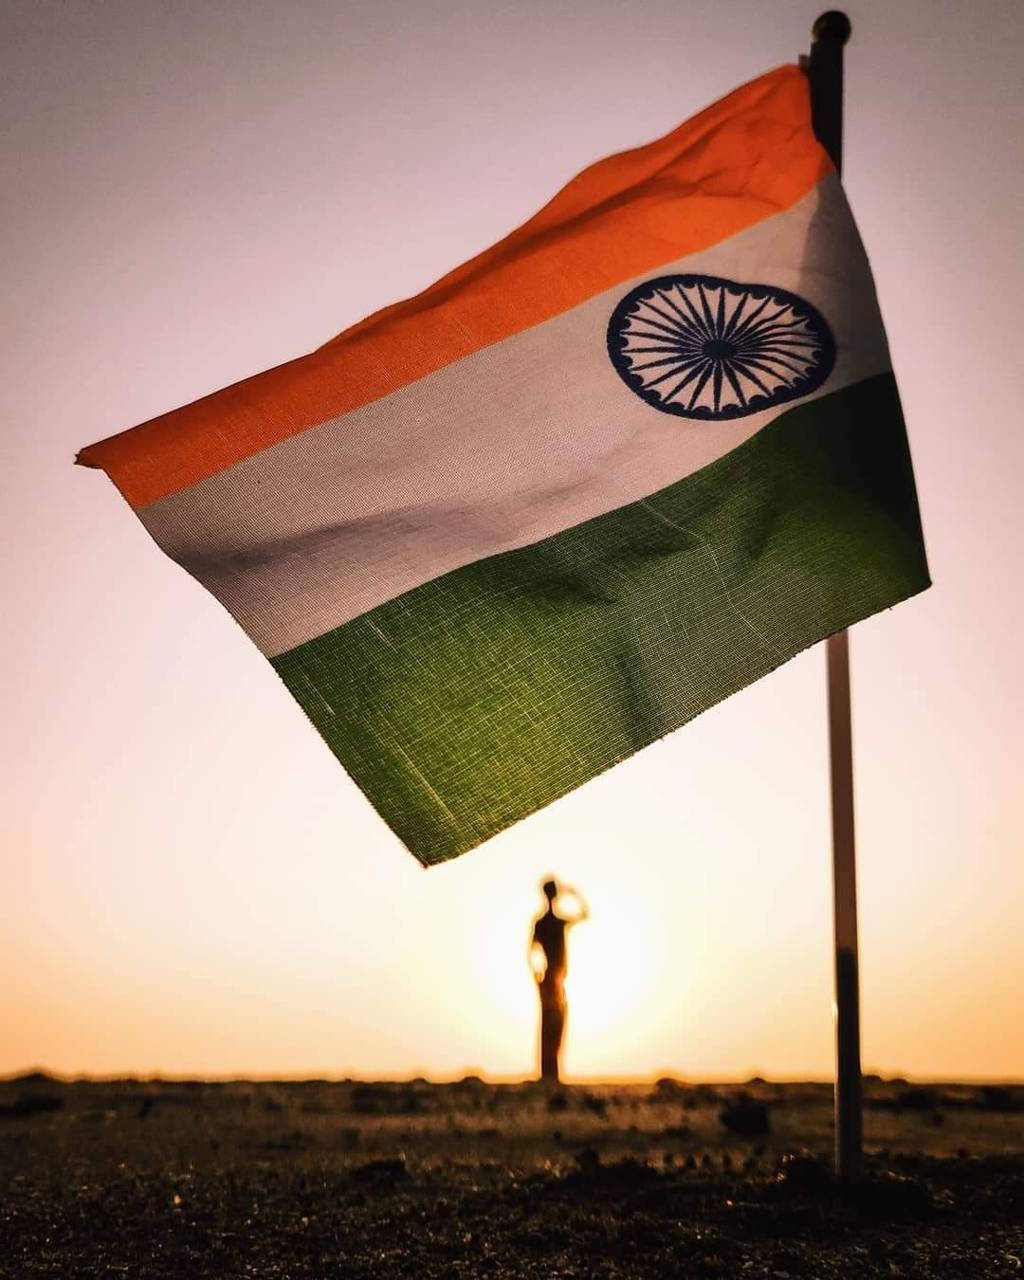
825	72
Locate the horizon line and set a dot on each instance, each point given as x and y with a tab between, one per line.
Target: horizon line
472	1074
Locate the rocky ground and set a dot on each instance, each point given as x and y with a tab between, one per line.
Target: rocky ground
317	1181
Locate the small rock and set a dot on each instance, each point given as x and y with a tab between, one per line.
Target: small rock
745	1116
380	1171
806	1173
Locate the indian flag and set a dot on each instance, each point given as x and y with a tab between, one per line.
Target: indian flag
500	536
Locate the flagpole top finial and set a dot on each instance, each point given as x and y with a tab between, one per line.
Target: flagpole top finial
832	25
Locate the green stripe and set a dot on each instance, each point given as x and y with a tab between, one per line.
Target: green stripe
469	702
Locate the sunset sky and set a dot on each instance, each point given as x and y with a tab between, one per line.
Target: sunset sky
196	191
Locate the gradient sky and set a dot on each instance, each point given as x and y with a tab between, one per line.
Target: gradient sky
195	191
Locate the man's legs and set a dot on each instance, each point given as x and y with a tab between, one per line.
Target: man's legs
552	1029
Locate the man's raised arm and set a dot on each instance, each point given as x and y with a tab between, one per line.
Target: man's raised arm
582	911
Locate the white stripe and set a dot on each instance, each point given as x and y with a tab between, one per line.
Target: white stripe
500	449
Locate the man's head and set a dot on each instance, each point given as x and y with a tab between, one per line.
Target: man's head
550	888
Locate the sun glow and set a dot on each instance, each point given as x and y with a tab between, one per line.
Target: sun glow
611	958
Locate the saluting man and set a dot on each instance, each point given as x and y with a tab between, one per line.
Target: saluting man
549	964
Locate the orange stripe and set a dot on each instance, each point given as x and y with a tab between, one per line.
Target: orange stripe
748	156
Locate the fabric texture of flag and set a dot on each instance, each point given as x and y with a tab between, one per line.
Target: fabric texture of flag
497	537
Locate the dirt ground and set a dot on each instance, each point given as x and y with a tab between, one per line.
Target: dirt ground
318	1180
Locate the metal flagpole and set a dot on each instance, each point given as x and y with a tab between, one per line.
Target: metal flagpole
825	72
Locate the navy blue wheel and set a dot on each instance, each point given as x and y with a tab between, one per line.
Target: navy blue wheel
704	347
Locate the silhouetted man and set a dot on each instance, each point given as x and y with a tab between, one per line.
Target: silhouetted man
549	965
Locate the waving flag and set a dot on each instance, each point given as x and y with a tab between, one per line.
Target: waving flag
500	536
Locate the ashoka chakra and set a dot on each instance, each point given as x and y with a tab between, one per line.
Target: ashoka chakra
704	347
